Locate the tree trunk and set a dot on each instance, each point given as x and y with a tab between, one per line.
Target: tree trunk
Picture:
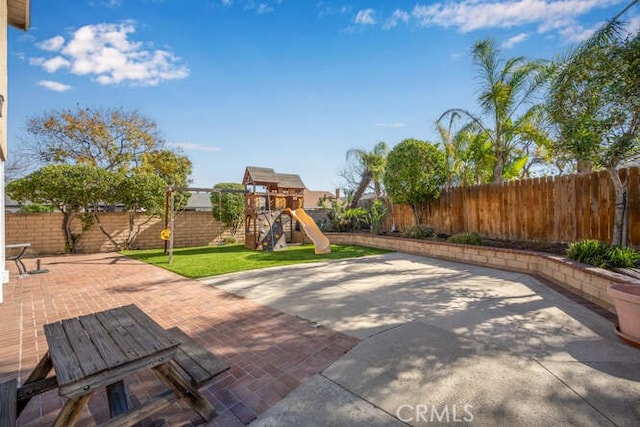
377	189
364	183
618	217
68	234
134	230
417	214
498	169
104	231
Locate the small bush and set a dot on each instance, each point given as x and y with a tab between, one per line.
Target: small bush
623	257
590	252
229	241
420	232
601	255
468	238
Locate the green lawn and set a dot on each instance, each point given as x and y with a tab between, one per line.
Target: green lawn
208	261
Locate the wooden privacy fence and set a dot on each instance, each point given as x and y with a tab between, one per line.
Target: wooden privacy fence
550	209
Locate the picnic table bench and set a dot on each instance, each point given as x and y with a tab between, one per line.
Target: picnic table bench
18	249
99	350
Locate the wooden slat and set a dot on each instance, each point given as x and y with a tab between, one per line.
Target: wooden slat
147	343
8	403
34	388
40	372
120	335
195	360
152	327
185	390
156	404
64	359
90	359
71	411
104	343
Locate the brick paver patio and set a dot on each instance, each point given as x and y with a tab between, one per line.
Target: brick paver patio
270	352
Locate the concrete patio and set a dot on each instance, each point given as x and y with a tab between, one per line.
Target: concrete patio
426	342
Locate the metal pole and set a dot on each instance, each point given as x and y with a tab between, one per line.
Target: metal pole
171	228
166	214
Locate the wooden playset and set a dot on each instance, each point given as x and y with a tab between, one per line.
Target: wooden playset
274	214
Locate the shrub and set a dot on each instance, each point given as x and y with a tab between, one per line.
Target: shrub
590	252
623	257
420	232
468	238
601	255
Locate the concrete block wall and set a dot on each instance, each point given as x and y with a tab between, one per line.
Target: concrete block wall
44	232
588	282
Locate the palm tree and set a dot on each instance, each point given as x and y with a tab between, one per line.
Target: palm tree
468	155
507	87
371	165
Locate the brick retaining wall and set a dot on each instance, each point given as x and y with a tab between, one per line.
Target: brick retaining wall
588	282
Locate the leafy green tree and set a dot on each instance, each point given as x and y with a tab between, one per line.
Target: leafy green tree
370	165
126	161
68	188
111	139
507	88
594	100
415	174
228	207
173	167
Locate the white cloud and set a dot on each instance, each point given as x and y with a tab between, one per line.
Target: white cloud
633	25
391	125
263	8
53	44
577	33
105	52
54	64
365	17
512	41
326	9
397	17
472	15
189	146
55	86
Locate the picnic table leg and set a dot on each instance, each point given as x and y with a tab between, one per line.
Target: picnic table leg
40	372
71	410
168	374
117	397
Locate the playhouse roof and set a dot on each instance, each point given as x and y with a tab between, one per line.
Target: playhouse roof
289	180
268	177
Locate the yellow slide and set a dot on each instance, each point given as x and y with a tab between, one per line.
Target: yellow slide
320	241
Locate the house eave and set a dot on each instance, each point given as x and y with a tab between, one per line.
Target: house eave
18	14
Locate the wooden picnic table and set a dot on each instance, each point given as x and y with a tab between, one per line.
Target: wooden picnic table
99	350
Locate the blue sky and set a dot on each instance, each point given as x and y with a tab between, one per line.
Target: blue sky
286	84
